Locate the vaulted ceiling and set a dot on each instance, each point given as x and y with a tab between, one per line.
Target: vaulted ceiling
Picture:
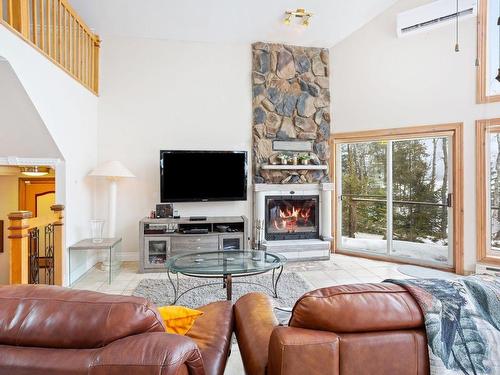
229	21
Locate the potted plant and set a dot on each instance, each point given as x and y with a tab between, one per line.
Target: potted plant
283	158
294	159
304	159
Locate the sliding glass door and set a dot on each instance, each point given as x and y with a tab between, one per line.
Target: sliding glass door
394	199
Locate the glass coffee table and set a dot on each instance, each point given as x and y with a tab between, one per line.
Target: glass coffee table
225	265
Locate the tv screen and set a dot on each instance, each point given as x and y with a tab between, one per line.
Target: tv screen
194	176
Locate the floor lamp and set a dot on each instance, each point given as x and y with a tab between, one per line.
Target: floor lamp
113	170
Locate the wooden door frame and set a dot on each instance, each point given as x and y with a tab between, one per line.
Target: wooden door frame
455	130
482	240
32	180
482	49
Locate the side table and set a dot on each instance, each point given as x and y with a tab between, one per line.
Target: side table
112	247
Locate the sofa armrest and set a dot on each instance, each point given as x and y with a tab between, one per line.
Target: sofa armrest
149	354
255	321
298	351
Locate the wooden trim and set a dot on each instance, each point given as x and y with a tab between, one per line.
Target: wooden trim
482	240
455	130
41	195
22	188
397	133
482	51
19	215
18	227
360	254
57	207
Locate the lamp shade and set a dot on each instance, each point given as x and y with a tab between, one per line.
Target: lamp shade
111	169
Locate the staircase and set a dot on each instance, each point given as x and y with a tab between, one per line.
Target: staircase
55	30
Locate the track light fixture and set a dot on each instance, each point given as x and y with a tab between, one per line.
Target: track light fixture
298	13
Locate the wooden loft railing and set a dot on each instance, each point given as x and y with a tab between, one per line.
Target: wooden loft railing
36	247
56	30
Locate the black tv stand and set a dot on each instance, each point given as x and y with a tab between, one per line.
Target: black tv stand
197	218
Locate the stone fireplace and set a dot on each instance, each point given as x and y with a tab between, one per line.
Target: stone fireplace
291	122
296	219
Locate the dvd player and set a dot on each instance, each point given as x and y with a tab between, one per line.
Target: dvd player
195	231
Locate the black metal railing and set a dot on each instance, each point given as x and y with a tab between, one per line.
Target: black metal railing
41	264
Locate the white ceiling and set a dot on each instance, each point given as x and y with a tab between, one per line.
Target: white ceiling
229	21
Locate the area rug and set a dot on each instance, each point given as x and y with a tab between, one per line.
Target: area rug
425	273
160	292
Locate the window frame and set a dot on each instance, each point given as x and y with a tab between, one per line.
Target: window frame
455	131
482	96
483	128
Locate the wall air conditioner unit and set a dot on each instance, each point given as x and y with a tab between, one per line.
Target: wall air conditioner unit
482	269
433	15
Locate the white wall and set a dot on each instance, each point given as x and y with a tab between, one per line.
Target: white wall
22	131
8	203
69	111
380	81
169	95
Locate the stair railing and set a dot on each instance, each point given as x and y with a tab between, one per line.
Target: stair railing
55	29
36	247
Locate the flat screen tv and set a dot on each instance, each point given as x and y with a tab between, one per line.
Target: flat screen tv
200	176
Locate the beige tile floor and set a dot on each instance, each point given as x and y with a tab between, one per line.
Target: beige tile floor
340	269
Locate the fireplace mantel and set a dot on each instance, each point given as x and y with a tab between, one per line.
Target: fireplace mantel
299	249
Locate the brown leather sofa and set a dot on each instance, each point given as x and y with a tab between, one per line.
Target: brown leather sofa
58	331
365	329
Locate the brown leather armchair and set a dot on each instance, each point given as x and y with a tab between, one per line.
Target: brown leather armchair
365	329
58	331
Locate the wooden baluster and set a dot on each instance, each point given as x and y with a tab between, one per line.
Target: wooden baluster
80	52
95	78
86	59
1	11
42	23
47	27
10	8
59	35
91	72
75	47
19	246
54	30
20	17
34	22
66	37
58	210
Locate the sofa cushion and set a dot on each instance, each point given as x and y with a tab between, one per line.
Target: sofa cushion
55	317
357	308
212	333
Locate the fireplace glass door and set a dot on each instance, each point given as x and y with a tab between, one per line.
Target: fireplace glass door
292	217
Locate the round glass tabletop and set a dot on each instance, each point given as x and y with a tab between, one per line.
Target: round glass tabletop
227	262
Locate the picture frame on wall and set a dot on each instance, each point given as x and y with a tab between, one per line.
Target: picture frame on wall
164	210
1	236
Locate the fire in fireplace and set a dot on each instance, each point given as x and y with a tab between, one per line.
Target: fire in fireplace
292	217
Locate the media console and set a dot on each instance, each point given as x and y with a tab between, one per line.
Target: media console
163	238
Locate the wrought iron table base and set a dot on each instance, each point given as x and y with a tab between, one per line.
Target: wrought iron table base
227	282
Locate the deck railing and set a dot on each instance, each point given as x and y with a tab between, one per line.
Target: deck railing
56	30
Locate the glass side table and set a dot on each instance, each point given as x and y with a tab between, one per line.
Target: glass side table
111	245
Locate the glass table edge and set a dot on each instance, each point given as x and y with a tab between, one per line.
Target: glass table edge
169	264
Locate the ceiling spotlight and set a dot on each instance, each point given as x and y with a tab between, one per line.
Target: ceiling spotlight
298	13
35	171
